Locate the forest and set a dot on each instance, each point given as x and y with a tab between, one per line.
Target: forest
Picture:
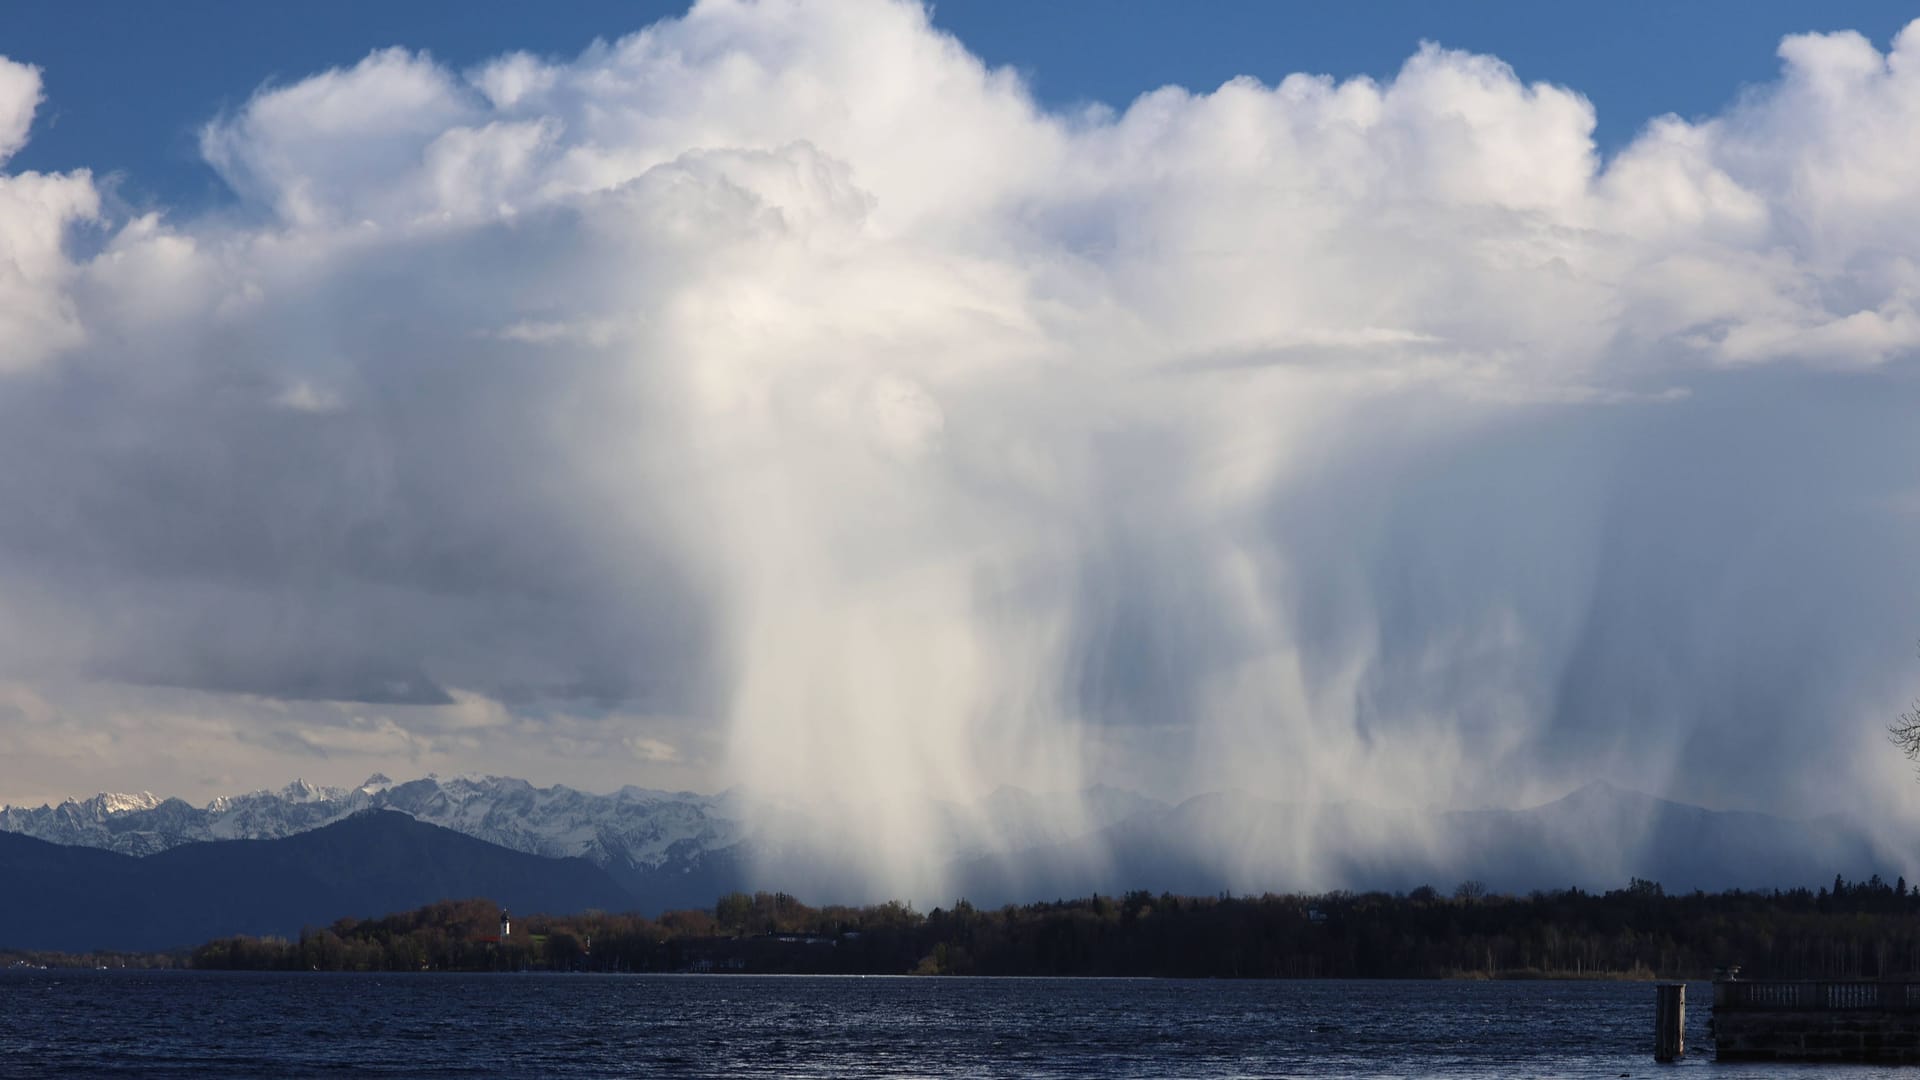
1846	930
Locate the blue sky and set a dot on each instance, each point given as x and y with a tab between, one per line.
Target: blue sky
129	83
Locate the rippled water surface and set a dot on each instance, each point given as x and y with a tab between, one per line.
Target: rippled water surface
194	1024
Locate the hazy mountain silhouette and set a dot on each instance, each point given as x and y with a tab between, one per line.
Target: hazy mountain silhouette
374	863
1597	838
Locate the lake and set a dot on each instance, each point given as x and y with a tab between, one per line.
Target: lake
231	1024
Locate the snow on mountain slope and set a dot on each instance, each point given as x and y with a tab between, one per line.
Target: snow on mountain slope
633	827
112	803
681	849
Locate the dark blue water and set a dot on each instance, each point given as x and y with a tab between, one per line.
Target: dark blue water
211	1024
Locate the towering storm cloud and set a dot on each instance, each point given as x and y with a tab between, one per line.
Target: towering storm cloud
780	397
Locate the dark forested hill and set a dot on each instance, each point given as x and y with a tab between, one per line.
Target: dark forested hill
1855	930
74	899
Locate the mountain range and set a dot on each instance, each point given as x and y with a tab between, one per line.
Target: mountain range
72	898
670	849
641	837
1596	838
653	850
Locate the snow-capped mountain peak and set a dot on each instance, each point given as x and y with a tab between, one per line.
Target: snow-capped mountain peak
118	803
302	792
617	830
687	840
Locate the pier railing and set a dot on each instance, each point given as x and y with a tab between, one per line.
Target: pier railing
1817	996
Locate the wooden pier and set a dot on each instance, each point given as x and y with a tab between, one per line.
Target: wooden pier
1670	1022
1868	1021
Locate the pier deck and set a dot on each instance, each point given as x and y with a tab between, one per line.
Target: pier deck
1874	1021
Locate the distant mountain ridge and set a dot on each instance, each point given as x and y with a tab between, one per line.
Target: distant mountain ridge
632	828
371	863
1597	837
670	849
680	849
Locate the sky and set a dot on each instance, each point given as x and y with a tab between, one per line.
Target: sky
130	84
1425	405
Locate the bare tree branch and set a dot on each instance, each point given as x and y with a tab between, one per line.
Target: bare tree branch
1905	732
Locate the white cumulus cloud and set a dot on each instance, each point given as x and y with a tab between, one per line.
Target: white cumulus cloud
36	210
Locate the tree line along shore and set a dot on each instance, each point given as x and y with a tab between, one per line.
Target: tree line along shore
1846	930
